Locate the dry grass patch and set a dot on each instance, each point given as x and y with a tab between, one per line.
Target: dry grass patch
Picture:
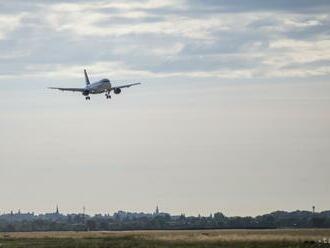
200	236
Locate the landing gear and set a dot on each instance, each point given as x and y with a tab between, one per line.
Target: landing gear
88	98
107	95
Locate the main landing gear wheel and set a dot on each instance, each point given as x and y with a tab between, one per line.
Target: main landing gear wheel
108	96
88	98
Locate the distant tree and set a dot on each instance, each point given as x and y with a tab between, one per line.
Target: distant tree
91	225
318	222
219	216
10	228
104	225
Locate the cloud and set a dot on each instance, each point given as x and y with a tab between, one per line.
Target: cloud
183	39
87	20
293	6
297	57
8	23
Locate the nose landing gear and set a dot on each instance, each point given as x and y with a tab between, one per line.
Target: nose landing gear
107	95
88	98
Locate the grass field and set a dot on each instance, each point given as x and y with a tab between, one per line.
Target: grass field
201	238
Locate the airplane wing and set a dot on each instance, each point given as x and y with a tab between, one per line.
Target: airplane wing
68	89
125	86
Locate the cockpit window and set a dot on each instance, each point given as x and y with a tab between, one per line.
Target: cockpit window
105	80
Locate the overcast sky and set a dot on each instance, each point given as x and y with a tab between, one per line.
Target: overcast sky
233	114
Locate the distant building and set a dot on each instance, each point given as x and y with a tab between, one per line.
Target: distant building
156	211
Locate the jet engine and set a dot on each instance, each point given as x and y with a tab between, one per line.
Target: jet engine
85	92
117	90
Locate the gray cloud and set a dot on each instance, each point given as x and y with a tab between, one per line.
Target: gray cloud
300	6
173	38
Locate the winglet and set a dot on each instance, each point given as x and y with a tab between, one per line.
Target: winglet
86	77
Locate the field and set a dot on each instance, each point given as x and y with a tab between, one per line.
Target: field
201	238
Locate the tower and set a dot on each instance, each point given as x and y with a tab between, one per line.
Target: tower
57	212
84	209
313	209
157	210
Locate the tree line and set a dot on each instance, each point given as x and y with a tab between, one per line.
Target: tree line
160	221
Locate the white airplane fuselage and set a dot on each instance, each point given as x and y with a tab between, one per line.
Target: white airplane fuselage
99	87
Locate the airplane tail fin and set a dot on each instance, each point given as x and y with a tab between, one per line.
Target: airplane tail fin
86	77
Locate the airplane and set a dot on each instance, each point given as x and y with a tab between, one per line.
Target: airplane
102	86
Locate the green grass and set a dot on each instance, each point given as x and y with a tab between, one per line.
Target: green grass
137	242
